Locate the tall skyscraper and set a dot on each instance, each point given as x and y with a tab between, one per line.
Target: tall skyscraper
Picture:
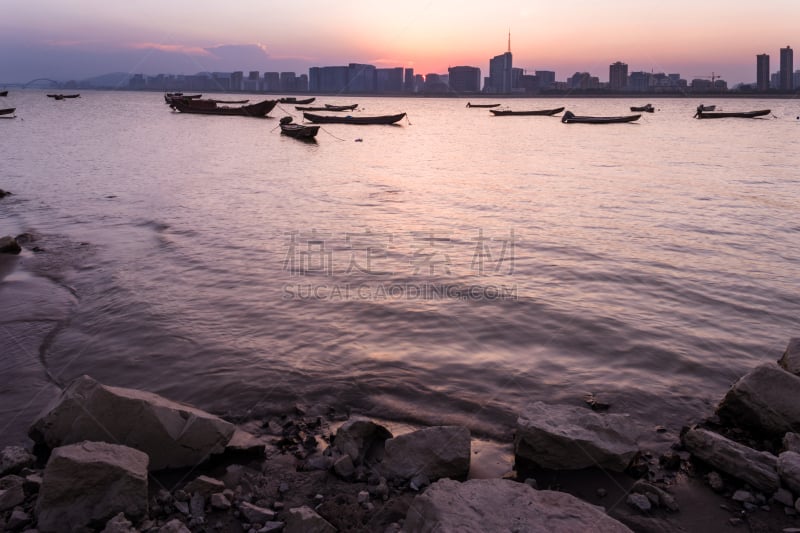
618	76
408	81
500	72
762	72
787	68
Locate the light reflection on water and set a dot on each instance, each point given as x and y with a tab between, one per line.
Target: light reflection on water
649	263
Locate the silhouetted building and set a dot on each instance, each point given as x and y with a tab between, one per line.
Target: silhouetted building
465	79
389	80
639	81
408	81
288	81
327	79
500	77
272	82
360	78
618	76
583	81
762	72
546	79
236	80
252	82
787	69
221	81
436	83
301	83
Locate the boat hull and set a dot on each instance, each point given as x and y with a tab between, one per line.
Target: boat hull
743	114
540	112
644	109
482	106
570	118
209	107
292	100
299	131
324	119
8	111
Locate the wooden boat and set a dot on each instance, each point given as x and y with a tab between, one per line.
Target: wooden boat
8	111
570	118
326	108
63	96
740	114
482	106
298	131
647	108
209	107
230	101
330	107
169	97
327	119
702	107
3	93
507	113
293	100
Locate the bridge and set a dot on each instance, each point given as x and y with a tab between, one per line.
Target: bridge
43	83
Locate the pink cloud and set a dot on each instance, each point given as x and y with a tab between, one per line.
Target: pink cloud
174	48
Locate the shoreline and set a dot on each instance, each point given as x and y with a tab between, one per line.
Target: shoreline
273	467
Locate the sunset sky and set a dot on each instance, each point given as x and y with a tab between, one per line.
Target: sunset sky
64	39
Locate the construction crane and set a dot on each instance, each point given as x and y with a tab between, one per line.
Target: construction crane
714	76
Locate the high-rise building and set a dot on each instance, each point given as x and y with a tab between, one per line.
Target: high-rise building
327	79
408	81
465	79
272	81
288	81
762	72
389	80
787	69
360	78
618	76
500	76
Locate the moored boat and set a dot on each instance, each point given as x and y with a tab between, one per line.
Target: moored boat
647	108
483	106
702	107
507	113
298	131
570	118
731	114
210	107
3	93
7	111
326	108
62	96
327	119
293	100
331	107
169	97
229	101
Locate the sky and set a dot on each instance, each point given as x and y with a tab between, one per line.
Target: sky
78	39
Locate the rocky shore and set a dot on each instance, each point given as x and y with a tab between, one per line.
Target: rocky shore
120	460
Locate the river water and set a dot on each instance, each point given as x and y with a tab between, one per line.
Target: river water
450	269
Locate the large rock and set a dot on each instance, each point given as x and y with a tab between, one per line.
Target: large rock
432	453
12	492
361	439
15	458
759	469
791	357
789	470
482	505
9	245
305	520
764	400
89	483
173	435
563	437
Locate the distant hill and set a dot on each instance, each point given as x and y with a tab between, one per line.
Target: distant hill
113	80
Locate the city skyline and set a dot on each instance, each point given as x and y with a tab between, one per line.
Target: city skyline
61	41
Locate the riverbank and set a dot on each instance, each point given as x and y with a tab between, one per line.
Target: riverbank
320	469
